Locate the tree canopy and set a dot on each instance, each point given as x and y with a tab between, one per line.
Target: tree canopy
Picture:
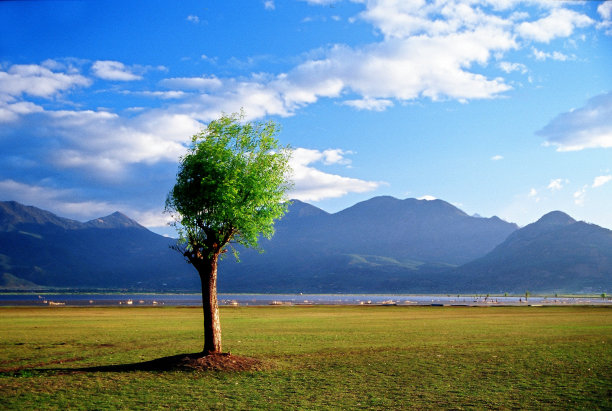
230	187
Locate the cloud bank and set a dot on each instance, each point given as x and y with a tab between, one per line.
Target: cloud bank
312	184
113	70
586	127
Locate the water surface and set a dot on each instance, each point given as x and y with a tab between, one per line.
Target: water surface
149	299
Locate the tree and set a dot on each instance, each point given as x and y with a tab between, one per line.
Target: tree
230	188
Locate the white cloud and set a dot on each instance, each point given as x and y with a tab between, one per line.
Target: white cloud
557	184
427	198
555	55
369	104
497	157
269	5
436	61
193	19
429	50
150	218
36	80
401	70
335	156
402	19
605	11
431	67
257	99
601	180
587	127
59	201
510	67
559	23
113	70
312	184
29	194
193	83
13	111
164	95
533	194
580	196
106	143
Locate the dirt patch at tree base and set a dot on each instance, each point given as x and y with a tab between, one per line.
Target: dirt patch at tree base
217	362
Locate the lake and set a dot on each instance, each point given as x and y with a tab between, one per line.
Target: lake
151	299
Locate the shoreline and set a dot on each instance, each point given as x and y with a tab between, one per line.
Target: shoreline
282	299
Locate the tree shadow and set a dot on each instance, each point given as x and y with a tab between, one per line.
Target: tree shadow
170	363
180	362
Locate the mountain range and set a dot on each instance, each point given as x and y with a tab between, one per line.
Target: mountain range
42	249
379	245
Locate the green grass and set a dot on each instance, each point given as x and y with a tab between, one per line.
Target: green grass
324	358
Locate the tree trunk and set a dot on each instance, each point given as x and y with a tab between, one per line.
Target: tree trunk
212	324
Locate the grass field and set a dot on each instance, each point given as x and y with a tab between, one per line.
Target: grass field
322	358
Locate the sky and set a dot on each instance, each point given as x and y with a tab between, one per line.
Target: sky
499	107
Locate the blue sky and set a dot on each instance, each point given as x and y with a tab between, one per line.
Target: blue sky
500	107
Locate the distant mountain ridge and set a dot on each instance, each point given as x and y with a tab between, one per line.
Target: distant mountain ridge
379	245
556	253
38	247
14	214
114	220
432	231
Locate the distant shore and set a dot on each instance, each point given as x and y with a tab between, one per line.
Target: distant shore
130	299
